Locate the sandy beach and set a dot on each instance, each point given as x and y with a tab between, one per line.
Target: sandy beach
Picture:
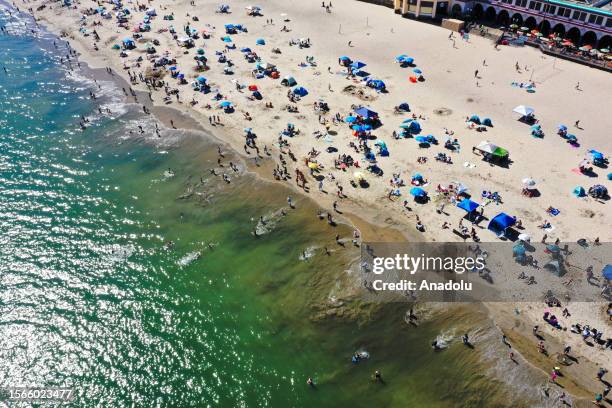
460	79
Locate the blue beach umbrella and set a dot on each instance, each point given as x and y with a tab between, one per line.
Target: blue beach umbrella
172	68
607	272
350	119
226	39
518	249
418	192
225	104
563	127
422	139
245	49
401	58
201	79
417	71
260	41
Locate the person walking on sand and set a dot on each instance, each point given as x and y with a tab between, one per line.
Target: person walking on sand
505	341
290	202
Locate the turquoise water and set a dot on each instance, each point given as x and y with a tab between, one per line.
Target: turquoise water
94	297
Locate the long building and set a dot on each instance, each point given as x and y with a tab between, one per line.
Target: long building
581	22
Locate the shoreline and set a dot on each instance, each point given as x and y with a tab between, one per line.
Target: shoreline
368	224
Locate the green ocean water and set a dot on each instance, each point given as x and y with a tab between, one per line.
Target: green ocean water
93	297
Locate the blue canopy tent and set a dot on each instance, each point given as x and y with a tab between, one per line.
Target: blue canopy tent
300	90
607	272
468	205
500	223
415	127
366	113
129	43
376	84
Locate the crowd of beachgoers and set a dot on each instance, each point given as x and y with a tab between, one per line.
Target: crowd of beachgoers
443	136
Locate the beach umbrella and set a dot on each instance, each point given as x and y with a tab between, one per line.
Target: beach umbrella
200	51
381	144
524	237
358	175
226	39
181	76
201	79
313	166
418	192
606	272
553	248
524	110
536	127
487	147
408	60
358	128
344	58
563	127
225	104
422	139
173	68
518	249
350	119
405	126
529	182
417	71
260	41
401	58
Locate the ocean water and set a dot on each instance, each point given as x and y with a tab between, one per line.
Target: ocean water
129	273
